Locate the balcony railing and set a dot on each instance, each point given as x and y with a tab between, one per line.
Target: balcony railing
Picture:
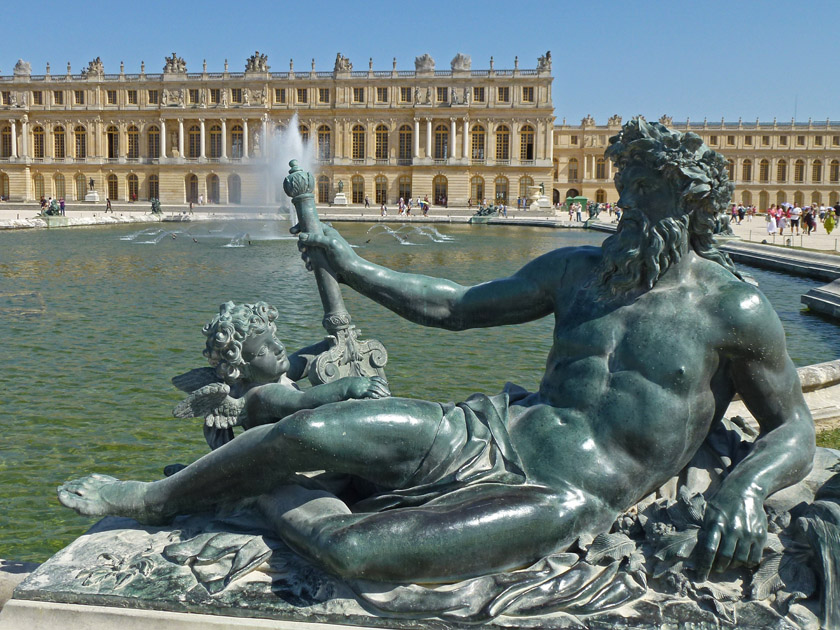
404	161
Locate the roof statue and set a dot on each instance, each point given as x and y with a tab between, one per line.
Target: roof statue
666	120
588	121
613	120
175	65
461	63
424	63
23	68
342	64
257	63
95	67
544	62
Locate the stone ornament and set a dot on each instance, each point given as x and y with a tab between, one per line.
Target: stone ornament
424	64
460	63
614	120
95	67
175	65
588	121
544	62
342	64
22	68
666	120
257	63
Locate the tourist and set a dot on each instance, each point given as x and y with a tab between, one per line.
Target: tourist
61	206
108	205
795	216
201	200
367	202
781	223
383	210
771	223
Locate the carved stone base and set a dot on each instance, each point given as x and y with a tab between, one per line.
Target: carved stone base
92	197
340	199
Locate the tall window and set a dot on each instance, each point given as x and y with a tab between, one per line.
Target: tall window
59	144
440	188
113	187
111	96
600	168
154	144
81	186
38	143
194	142
781	171
192	188
358	95
381	189
213	188
215	141
441	148
730	170
4	185
528	94
478	94
79	97
834	171
764	171
304	133
236	95
501	189
573	170
280	95
525	183
405	94
80	138
816	171
132	97
600	196
133	143
323	95
502	144
477	189
799	171
357	186
526	146
215	96
38	182
154	187
323	189
152	95
6	142
302	95
358	143
404	187
503	94
60	186
381	138
236	136
58	97
746	171
324	143
381	95
442	94
113	140
478	138
234	189
405	143
133	187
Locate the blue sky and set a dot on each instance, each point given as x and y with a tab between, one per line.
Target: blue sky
710	59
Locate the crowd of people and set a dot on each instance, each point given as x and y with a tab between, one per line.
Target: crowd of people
799	220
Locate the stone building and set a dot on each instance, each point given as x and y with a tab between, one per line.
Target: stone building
177	135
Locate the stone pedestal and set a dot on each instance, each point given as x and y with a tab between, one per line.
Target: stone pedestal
340	199
92	197
543	202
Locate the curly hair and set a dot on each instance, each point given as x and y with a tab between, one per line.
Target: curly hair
226	332
697	172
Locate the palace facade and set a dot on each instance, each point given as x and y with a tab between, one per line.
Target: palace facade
458	134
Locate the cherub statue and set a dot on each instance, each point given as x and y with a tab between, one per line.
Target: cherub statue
251	380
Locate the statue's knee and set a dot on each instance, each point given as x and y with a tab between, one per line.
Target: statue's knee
344	553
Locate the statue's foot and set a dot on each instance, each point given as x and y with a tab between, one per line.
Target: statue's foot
101	495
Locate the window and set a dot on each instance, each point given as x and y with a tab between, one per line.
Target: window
80	139
573	140
113	187
477	189
215	141
215	96
192	96
405	94
573	170
154	144
764	171
440	189
818	141
713	140
236	95
304	133
528	94
525	183
59	144
730	170
781	171
834	171
38	143
441	148
600	196
4	186
302	95
799	171
730	141
154	187
503	94
133	186
81	186
816	171
358	143
783	140
6	142
111	97
323	95
746	171
800	141
380	189
600	168
58	97
358	95
280	95
324	143
193	142
405	144
133	148
113	142
132	97
6	97
236	138
381	95
765	141
192	188
526	144
477	144
323	189
37	97
478	94
357	185
404	186
381	140
835	141
38	180
442	94
234	189
501	189
502	144
153	100
748	140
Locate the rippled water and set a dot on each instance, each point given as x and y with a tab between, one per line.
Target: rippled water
97	320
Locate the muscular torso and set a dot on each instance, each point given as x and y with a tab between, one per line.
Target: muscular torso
628	395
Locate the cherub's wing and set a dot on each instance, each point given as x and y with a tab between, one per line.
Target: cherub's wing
212	403
195	379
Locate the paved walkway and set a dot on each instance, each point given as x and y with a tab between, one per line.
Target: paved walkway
756	231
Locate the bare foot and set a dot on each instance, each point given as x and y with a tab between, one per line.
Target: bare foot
101	495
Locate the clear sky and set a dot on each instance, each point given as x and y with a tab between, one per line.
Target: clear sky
696	59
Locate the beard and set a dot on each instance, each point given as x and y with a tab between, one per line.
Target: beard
639	253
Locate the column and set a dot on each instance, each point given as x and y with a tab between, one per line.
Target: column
24	141
245	138
14	138
549	141
181	137
202	153
466	139
416	147
265	150
452	142
428	137
162	138
224	138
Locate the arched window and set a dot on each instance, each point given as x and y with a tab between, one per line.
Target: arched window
194	142
834	171
234	189
59	145
600	196
501	189
81	186
60	186
781	171
323	183
213	186
405	145
746	171
304	133
746	198
526	144
816	171
113	187
524	184
38	143
236	139
556	173
381	189
730	170
215	145
154	187
6	143
4	186
477	189
573	170
133	187
133	148
381	140
816	198
763	200
799	171
833	198
478	140
192	188
357	136
502	144
780	198
38	184
600	168
324	145
798	198
440	188
764	173
80	140
404	187
357	185
441	148
112	136
153	138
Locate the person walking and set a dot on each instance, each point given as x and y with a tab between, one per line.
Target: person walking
108	205
367	202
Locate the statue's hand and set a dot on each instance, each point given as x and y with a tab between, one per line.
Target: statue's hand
734	533
367	387
338	252
213	403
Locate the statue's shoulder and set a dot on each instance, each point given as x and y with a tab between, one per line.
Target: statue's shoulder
567	262
745	316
